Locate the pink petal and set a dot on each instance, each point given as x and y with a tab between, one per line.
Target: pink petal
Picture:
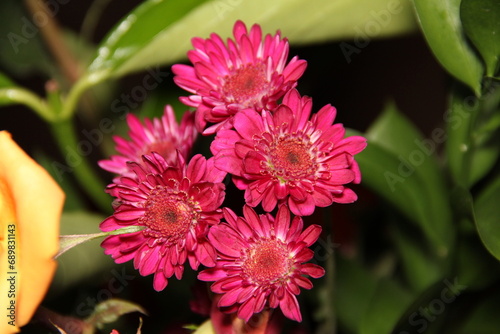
310	234
347	196
248	123
212	274
353	144
290	307
305	208
312	270
159	281
226	240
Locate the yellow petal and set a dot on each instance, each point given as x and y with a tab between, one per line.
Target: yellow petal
37	202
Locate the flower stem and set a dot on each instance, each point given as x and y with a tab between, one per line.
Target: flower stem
23	96
77	163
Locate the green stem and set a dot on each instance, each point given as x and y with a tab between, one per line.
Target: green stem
76	162
23	96
84	83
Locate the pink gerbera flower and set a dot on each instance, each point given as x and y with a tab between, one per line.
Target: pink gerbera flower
246	73
261	262
285	157
163	136
176	204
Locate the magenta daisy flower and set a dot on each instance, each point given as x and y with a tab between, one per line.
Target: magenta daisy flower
175	204
261	262
285	157
163	136
248	72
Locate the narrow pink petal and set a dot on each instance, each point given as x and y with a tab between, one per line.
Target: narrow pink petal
347	196
322	197
341	176
310	234
196	168
312	270
290	307
294	70
205	253
305	208
282	222
212	274
247	309
159	281
226	240
229	298
248	123
149	262
353	144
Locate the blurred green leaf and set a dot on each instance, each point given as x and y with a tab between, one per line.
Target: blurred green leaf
474	265
160	32
481	21
459	117
399	165
110	310
442	28
487	212
387	304
354	289
483	318
421	269
5	81
23	52
484	158
89	256
429	310
120	53
472	124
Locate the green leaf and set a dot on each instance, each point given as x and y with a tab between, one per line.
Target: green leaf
459	119
421	269
160	32
387	304
204	328
442	28
399	165
89	256
354	288
23	51
487	213
122	50
483	318
110	310
66	242
481	21
5	81
429	310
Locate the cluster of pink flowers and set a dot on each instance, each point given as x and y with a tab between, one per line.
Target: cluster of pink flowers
284	158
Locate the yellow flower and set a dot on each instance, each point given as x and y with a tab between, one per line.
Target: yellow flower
30	208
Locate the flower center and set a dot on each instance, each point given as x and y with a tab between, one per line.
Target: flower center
267	262
246	85
292	159
169	215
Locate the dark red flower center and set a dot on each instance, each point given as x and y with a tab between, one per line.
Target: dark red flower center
267	262
169	215
246	85
292	159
